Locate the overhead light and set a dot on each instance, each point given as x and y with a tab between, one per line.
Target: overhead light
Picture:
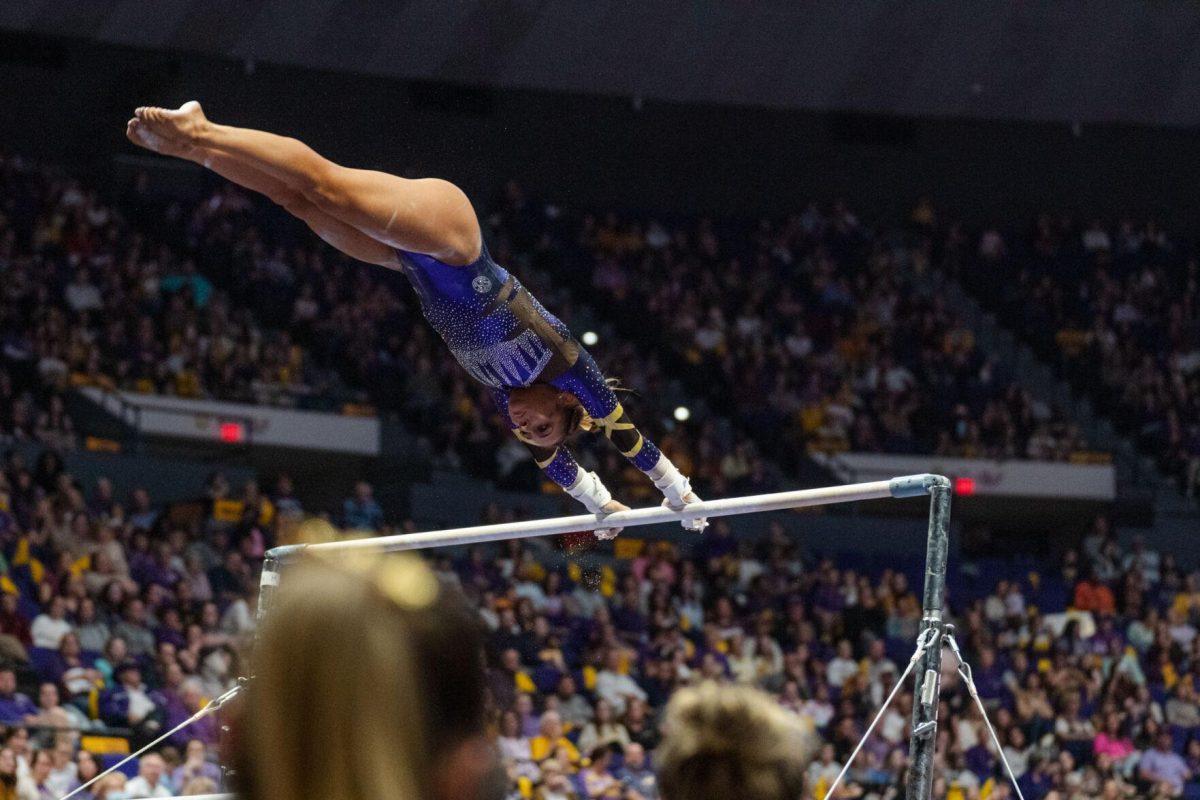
589	338
682	414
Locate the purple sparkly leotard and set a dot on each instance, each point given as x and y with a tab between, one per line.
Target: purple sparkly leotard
505	339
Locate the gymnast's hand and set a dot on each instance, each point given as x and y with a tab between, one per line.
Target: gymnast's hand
611	507
697	524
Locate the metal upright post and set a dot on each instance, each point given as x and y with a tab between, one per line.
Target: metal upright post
928	674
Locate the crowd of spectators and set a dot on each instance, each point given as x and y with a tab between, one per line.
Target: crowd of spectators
228	298
810	332
826	330
121	617
1117	308
1089	672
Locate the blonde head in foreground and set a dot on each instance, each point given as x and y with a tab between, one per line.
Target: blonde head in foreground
725	742
368	685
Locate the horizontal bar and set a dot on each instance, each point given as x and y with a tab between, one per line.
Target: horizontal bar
907	486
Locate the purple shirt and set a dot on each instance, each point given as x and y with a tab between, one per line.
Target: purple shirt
1169	767
181	776
14	707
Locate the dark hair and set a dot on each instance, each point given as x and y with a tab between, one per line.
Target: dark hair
576	415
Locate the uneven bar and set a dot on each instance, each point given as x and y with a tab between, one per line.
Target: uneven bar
906	486
927	680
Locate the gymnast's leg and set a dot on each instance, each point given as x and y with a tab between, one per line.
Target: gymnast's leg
336	233
426	216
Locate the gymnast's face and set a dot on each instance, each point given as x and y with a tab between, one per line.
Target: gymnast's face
540	414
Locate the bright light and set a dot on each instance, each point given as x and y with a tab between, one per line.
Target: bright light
682	414
589	338
964	487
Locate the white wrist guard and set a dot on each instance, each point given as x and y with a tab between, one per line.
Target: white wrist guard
671	482
588	490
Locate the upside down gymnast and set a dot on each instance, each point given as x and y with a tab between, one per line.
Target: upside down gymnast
539	375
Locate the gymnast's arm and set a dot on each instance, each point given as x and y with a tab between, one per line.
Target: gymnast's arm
559	465
610	418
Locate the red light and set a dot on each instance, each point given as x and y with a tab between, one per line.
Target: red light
964	486
232	432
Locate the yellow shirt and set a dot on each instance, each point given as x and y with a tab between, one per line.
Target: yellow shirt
541	748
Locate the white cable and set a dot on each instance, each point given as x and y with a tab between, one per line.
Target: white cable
964	669
923	643
209	707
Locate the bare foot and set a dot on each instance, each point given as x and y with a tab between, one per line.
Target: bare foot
183	124
142	136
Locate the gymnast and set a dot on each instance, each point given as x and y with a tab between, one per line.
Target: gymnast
540	376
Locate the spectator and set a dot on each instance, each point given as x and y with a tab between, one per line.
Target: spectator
641	727
843	666
17	741
1092	595
81	294
403	688
15	635
87	767
51	626
228	580
150	780
8	775
64	773
635	774
598	781
1110	741
504	676
131	704
603	730
1162	767
195	765
1182	710
361	512
723	742
92	632
51	713
822	771
14	706
515	749
550	740
572	707
111	787
614	685
35	785
554	785
134	630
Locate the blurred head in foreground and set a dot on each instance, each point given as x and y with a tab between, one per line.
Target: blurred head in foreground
368	686
722	742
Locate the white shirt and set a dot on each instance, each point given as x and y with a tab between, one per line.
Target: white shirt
1147	561
140	787
840	670
61	781
140	706
48	632
819	711
615	688
894	726
83	297
817	771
